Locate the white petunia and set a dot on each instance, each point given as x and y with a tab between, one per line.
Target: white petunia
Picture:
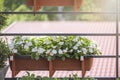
90	50
54	51
84	50
24	38
29	44
26	46
76	39
41	50
11	46
14	51
75	47
47	41
78	44
60	51
51	54
20	42
64	37
34	49
54	38
12	41
92	46
61	43
65	50
54	47
79	51
71	50
48	51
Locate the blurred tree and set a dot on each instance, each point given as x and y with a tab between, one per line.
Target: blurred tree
1	4
3	20
88	6
26	17
11	5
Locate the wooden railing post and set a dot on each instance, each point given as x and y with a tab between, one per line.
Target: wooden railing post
51	69
83	66
13	67
77	4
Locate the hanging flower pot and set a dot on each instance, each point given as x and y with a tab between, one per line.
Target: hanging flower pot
37	4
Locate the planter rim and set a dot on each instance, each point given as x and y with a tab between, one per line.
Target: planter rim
17	55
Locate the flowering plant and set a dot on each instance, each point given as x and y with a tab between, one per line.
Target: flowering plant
54	46
4	52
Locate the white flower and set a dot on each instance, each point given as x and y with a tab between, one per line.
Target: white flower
76	39
51	54
54	51
90	50
79	51
34	49
54	47
78	44
24	38
29	44
11	46
64	37
26	46
20	42
54	38
71	50
12	41
47	41
75	47
61	43
60	51
14	51
65	50
84	50
92	46
48	51
41	50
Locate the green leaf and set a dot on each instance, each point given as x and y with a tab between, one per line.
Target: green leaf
49	58
67	55
39	78
36	57
77	57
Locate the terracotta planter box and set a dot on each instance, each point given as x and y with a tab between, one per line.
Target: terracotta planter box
20	62
39	3
72	64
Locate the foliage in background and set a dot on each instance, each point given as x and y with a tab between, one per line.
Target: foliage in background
88	5
1	4
32	77
50	47
4	52
11	5
3	20
26	17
